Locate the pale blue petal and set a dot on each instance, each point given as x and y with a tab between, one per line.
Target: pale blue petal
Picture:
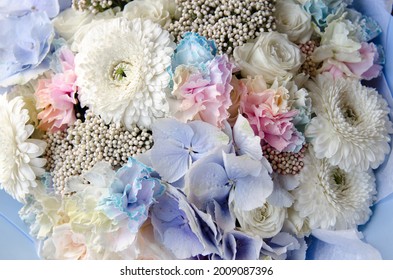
284	246
222	215
210	236
241	166
165	129
280	196
343	244
245	139
206	138
170	160
251	192
240	246
179	227
207	182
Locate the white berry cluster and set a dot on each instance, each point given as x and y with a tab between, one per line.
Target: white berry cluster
96	6
230	23
85	143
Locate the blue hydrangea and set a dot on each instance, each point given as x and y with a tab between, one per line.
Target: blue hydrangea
182	228
320	10
23	53
131	194
223	177
193	50
22	7
177	145
284	246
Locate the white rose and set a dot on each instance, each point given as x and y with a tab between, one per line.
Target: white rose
264	222
69	21
72	25
271	55
157	11
293	20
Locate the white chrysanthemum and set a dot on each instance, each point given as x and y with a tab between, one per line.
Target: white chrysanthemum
352	125
330	198
265	221
121	69
19	156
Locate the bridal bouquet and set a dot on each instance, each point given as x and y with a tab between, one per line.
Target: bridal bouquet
180	129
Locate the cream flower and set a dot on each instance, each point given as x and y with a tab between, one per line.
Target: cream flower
26	91
293	20
64	244
352	126
155	10
271	55
125	82
19	158
265	221
339	42
72	25
331	198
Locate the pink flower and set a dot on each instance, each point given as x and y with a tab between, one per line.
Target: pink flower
367	68
203	95
269	116
56	96
239	89
65	244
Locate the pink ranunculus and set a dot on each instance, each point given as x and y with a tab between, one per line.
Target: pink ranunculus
56	96
271	119
203	95
367	68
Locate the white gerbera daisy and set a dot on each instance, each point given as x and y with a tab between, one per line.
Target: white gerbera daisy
352	125
331	198
121	69
19	156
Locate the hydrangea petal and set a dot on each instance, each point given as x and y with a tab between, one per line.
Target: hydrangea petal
206	137
240	246
207	182
246	140
169	160
251	192
171	129
241	166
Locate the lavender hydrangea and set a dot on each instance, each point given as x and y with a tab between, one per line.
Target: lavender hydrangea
178	145
284	246
23	54
224	176
22	7
182	228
